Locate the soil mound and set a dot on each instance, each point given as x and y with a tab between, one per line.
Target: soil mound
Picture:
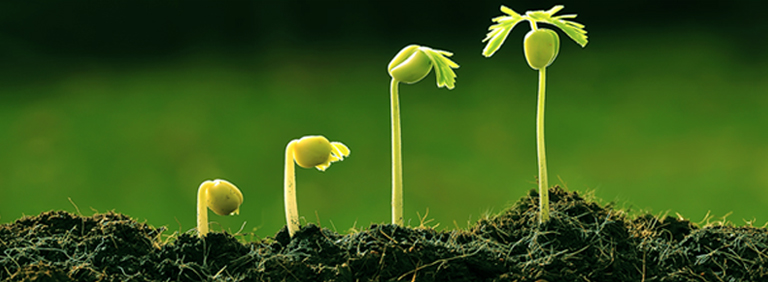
583	241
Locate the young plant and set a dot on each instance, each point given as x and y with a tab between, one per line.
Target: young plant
411	65
309	151
540	46
221	196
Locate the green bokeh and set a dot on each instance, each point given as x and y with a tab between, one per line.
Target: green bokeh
669	118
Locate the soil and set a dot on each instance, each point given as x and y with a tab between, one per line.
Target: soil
583	241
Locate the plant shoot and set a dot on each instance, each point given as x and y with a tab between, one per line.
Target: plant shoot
221	196
309	151
540	47
411	65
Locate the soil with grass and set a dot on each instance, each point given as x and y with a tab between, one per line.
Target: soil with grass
583	241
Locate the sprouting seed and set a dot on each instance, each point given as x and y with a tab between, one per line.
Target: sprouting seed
309	151
411	65
221	196
541	47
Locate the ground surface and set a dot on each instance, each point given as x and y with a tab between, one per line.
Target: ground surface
583	241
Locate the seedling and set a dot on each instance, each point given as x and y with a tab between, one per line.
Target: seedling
309	151
540	46
221	196
411	65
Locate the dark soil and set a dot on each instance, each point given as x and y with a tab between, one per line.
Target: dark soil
583	241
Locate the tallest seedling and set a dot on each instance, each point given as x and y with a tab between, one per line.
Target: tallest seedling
540	46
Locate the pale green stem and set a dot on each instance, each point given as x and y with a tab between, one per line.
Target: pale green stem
533	24
397	157
289	185
543	188
202	208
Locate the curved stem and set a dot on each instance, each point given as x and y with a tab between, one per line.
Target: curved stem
397	156
289	185
543	188
202	208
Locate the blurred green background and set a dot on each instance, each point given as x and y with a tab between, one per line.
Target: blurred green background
130	106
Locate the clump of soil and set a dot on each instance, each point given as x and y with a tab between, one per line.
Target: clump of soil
583	241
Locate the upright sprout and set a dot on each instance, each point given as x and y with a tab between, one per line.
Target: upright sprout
411	65
221	196
309	151
541	47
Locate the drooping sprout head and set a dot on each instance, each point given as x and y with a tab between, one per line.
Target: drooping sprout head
412	64
309	151
221	196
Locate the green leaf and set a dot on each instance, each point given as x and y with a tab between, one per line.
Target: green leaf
503	25
443	67
510	12
499	31
555	9
573	29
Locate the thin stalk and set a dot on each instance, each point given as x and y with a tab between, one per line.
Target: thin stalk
397	156
289	185
543	188
202	209
534	26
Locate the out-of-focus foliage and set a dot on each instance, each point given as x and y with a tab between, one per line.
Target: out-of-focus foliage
130	107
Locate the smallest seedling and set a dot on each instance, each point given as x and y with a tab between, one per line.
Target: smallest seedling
309	151
221	196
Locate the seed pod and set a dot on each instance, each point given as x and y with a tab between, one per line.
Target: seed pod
410	65
224	198
541	47
312	151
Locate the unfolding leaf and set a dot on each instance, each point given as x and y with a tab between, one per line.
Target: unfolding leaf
503	25
573	29
498	33
338	152
443	67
